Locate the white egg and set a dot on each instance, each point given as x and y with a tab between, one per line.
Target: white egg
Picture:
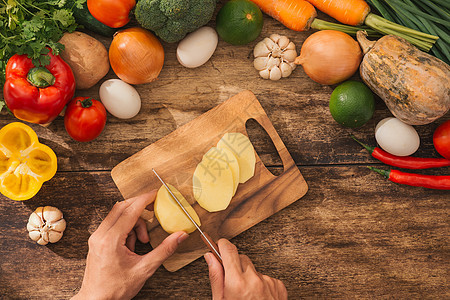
120	99
396	137
197	47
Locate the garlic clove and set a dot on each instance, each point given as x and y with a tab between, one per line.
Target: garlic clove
261	50
275	37
276	51
52	214
271	62
54	236
277	61
260	63
289	55
35	235
42	242
290	46
283	42
31	227
286	69
60	225
35	221
269	43
264	73
38	212
275	73
44	236
46	224
275	57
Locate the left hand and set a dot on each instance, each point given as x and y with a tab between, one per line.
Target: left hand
113	270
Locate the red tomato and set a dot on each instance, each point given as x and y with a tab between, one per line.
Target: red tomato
441	139
84	119
112	13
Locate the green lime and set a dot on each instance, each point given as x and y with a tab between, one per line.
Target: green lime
352	104
239	22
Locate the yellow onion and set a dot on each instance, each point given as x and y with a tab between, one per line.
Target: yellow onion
329	56
136	55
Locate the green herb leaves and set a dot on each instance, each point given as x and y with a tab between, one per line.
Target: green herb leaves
32	27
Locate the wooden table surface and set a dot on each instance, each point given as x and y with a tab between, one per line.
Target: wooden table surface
353	235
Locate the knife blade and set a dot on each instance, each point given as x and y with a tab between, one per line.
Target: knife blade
205	237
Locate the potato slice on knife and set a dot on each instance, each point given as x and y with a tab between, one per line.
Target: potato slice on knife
169	214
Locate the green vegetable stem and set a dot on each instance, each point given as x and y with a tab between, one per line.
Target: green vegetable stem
429	16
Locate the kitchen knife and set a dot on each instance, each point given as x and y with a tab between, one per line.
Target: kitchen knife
205	237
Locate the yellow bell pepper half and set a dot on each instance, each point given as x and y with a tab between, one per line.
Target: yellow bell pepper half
25	164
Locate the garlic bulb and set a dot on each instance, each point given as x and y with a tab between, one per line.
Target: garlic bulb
46	224
274	57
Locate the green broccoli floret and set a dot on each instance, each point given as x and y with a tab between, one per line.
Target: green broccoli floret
171	20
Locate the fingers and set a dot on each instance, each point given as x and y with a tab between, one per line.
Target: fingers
130	215
230	257
141	231
152	260
216	276
281	288
112	216
131	241
276	287
246	264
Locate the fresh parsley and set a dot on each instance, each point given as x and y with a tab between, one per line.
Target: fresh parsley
31	27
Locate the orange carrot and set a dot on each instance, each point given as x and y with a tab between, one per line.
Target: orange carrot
300	15
350	12
294	14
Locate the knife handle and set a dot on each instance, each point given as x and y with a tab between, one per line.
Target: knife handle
212	247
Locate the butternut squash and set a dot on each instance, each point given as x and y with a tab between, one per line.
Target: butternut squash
413	84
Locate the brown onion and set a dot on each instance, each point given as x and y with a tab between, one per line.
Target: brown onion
136	55
329	56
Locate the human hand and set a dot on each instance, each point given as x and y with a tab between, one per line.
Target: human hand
113	270
238	278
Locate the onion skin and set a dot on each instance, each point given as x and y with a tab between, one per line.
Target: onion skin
330	56
136	55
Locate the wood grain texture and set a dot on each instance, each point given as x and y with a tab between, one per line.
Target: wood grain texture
297	107
354	235
175	158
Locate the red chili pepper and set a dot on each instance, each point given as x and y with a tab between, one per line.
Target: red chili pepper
37	94
426	181
405	162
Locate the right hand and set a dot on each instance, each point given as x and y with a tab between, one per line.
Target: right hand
238	279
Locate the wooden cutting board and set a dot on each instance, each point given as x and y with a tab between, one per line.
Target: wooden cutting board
175	158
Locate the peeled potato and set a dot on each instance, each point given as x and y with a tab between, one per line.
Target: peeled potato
213	184
243	150
227	156
169	214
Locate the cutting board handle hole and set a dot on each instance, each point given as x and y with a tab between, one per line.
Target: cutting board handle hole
264	146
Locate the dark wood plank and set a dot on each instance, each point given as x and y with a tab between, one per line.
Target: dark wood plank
353	235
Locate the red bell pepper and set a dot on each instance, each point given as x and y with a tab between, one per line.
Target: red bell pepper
37	94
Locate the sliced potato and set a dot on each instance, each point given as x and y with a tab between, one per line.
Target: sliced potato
170	215
213	184
243	149
227	156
